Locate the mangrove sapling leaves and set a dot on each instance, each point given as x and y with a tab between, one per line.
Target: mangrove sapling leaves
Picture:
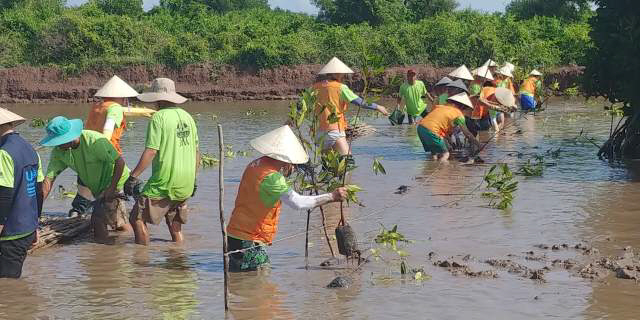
207	160
38	123
501	185
378	167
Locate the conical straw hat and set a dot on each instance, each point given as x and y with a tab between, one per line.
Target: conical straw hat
505	71
116	88
335	66
535	73
490	63
458	84
7	116
281	144
511	66
443	82
484	73
505	97
462	98
461	73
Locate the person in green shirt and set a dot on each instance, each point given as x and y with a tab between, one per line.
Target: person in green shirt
412	92
172	151
99	167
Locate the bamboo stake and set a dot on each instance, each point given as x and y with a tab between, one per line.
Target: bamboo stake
225	257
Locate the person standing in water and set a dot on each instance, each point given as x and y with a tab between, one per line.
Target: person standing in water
107	117
20	196
412	92
171	148
440	123
263	189
529	91
333	99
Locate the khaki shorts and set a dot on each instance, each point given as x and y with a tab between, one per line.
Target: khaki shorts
153	211
114	212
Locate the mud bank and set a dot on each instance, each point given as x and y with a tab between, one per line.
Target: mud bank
202	82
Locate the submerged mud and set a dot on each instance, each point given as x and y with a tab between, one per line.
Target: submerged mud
202	82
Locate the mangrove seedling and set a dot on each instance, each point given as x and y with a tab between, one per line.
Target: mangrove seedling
500	180
38	123
532	169
378	167
207	160
394	241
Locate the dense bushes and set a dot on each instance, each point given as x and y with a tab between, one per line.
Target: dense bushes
82	37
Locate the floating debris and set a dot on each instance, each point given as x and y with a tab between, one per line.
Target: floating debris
340	282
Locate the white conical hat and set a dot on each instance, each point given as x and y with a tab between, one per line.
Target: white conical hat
116	88
535	73
490	63
335	66
505	71
461	73
462	98
281	144
7	116
511	66
505	97
483	72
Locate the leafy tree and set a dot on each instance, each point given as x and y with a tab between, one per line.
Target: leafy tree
613	70
420	9
565	9
220	6
121	7
374	12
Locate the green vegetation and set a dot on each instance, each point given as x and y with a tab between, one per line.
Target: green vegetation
393	241
500	180
104	33
570	10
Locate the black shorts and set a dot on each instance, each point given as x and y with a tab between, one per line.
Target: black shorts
475	125
12	255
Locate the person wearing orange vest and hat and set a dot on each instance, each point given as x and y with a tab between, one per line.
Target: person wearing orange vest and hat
333	99
486	108
20	195
263	189
529	89
440	123
482	76
106	117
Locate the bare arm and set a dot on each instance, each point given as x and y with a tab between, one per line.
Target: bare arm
493	106
145	160
117	174
469	135
47	184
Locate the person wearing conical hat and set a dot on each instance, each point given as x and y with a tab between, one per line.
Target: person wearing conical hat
333	99
263	189
462	73
487	108
98	165
529	90
491	65
20	195
482	76
504	79
412	92
441	91
171	148
441	122
107	117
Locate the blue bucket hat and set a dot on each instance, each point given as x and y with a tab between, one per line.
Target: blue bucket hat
61	130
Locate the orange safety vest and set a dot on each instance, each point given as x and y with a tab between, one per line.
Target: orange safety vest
251	219
440	120
481	110
98	116
329	93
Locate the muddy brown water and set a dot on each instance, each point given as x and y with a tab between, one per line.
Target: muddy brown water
580	199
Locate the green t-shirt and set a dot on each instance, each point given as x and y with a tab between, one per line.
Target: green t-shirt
173	133
7	180
346	94
442	99
93	160
412	95
272	188
475	89
459	121
116	113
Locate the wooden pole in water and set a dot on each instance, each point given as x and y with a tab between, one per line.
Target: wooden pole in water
225	257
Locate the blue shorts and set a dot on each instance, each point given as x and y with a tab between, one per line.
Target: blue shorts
527	102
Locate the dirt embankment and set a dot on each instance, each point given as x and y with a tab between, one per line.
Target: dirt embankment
202	82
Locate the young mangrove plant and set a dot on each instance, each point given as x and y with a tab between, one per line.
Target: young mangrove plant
532	169
377	166
501	182
38	123
392	241
208	160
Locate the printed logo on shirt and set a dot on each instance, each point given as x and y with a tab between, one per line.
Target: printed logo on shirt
30	176
183	132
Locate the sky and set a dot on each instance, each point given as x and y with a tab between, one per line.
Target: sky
305	5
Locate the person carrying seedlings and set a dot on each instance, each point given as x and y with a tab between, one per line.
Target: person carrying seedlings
20	196
412	92
99	166
440	123
107	117
441	91
263	189
482	76
171	148
333	98
462	73
486	108
529	91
